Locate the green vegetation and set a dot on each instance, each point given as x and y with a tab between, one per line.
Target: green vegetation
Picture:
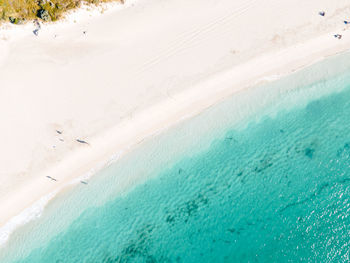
19	11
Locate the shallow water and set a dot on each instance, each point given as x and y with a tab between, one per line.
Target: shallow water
271	187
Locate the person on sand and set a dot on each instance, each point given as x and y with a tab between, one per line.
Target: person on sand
53	179
322	13
38	27
338	36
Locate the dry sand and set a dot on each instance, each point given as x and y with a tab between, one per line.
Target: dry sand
114	79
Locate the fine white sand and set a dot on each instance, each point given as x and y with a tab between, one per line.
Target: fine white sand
137	69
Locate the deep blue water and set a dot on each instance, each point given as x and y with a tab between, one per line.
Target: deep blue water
277	190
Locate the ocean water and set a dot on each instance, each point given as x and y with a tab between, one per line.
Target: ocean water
262	177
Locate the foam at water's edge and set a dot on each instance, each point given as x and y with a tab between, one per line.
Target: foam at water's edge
36	210
201	207
31	213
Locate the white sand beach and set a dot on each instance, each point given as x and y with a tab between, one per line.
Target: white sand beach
116	78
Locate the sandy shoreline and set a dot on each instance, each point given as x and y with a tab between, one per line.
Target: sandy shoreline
135	72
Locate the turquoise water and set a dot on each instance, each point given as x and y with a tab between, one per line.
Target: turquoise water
273	186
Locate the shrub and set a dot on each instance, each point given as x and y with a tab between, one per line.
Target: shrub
18	11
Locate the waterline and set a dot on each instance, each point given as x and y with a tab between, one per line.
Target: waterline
170	191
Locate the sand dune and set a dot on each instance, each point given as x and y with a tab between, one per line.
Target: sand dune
116	78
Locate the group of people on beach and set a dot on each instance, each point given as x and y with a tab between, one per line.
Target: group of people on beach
338	36
60	132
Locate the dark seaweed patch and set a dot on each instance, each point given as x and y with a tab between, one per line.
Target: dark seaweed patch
316	193
344	151
231	230
187	209
235	230
109	259
309	152
264	164
294	204
170	219
138	248
307	149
